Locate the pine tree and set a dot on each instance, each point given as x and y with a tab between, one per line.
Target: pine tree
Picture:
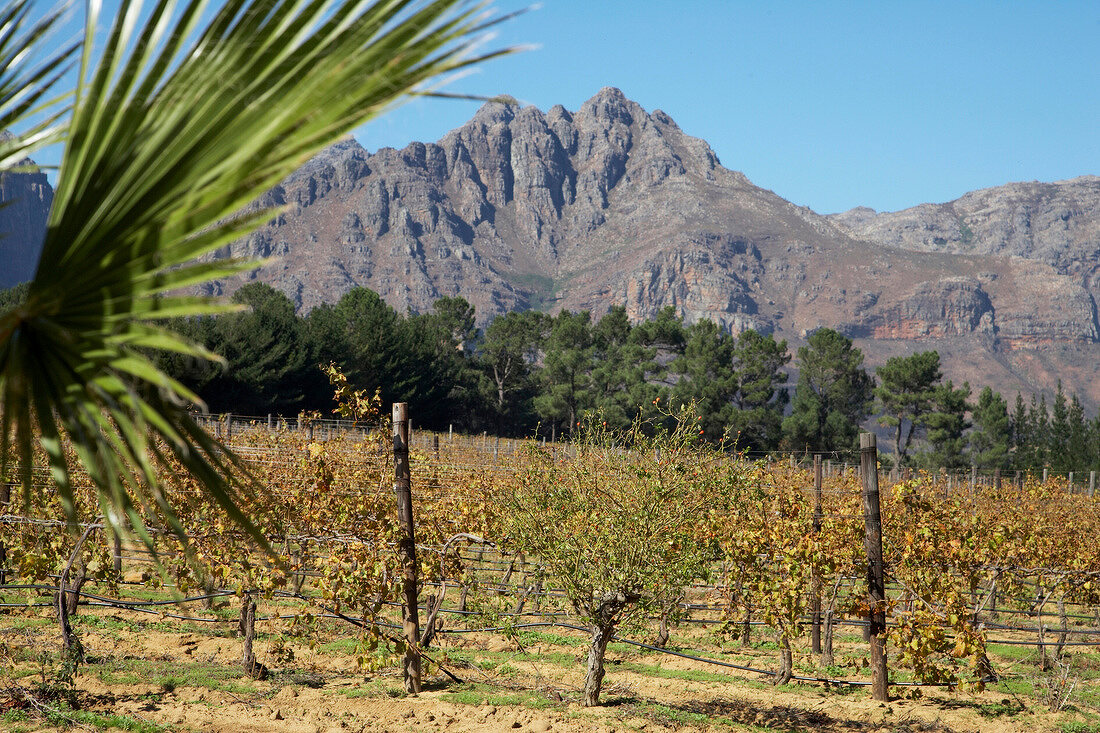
992	438
1058	445
906	394
832	397
566	375
946	426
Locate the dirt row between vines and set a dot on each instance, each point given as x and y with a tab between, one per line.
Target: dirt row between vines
161	674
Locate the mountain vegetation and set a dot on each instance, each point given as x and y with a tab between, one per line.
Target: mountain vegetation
529	372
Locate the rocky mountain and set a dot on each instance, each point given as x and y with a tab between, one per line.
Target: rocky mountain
611	204
1056	223
27	198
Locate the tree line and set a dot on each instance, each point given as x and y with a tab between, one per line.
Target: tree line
530	370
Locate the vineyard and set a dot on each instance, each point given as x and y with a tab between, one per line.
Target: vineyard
625	579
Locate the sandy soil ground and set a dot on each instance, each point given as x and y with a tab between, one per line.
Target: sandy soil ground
173	677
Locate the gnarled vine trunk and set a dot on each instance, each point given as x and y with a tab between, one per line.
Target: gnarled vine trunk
605	615
594	678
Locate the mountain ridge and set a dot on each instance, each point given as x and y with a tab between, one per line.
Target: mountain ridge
611	204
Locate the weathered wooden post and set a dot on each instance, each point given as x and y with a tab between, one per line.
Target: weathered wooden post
402	488
1092	483
1045	476
997	479
815	601
973	478
872	540
5	501
1070	487
116	553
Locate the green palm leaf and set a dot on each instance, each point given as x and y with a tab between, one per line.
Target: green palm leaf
176	124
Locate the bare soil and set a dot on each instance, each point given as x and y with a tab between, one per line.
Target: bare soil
155	673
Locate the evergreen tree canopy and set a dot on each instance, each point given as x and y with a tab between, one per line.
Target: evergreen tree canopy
991	441
832	397
946	424
567	369
906	394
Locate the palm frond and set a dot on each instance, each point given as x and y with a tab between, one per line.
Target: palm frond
176	126
28	83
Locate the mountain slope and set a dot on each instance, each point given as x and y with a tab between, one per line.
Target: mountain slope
611	204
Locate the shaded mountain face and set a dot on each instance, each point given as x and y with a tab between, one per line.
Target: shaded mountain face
611	204
27	198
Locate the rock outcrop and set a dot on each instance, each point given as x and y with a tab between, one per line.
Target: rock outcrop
611	204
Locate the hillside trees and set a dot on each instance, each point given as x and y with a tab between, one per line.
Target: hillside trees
946	426
760	398
991	440
567	369
906	394
507	355
625	370
707	376
735	383
832	397
499	379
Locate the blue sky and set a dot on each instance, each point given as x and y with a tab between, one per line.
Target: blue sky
831	105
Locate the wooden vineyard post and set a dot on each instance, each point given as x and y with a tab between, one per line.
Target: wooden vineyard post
997	479
1069	481
973	478
402	488
1045	476
1092	483
5	502
872	540
815	601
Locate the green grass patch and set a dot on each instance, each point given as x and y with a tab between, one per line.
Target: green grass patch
64	717
490	660
473	693
376	689
1015	687
542	637
667	715
170	675
340	646
691	675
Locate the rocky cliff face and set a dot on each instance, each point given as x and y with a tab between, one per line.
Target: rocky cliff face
1054	223
27	198
612	204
